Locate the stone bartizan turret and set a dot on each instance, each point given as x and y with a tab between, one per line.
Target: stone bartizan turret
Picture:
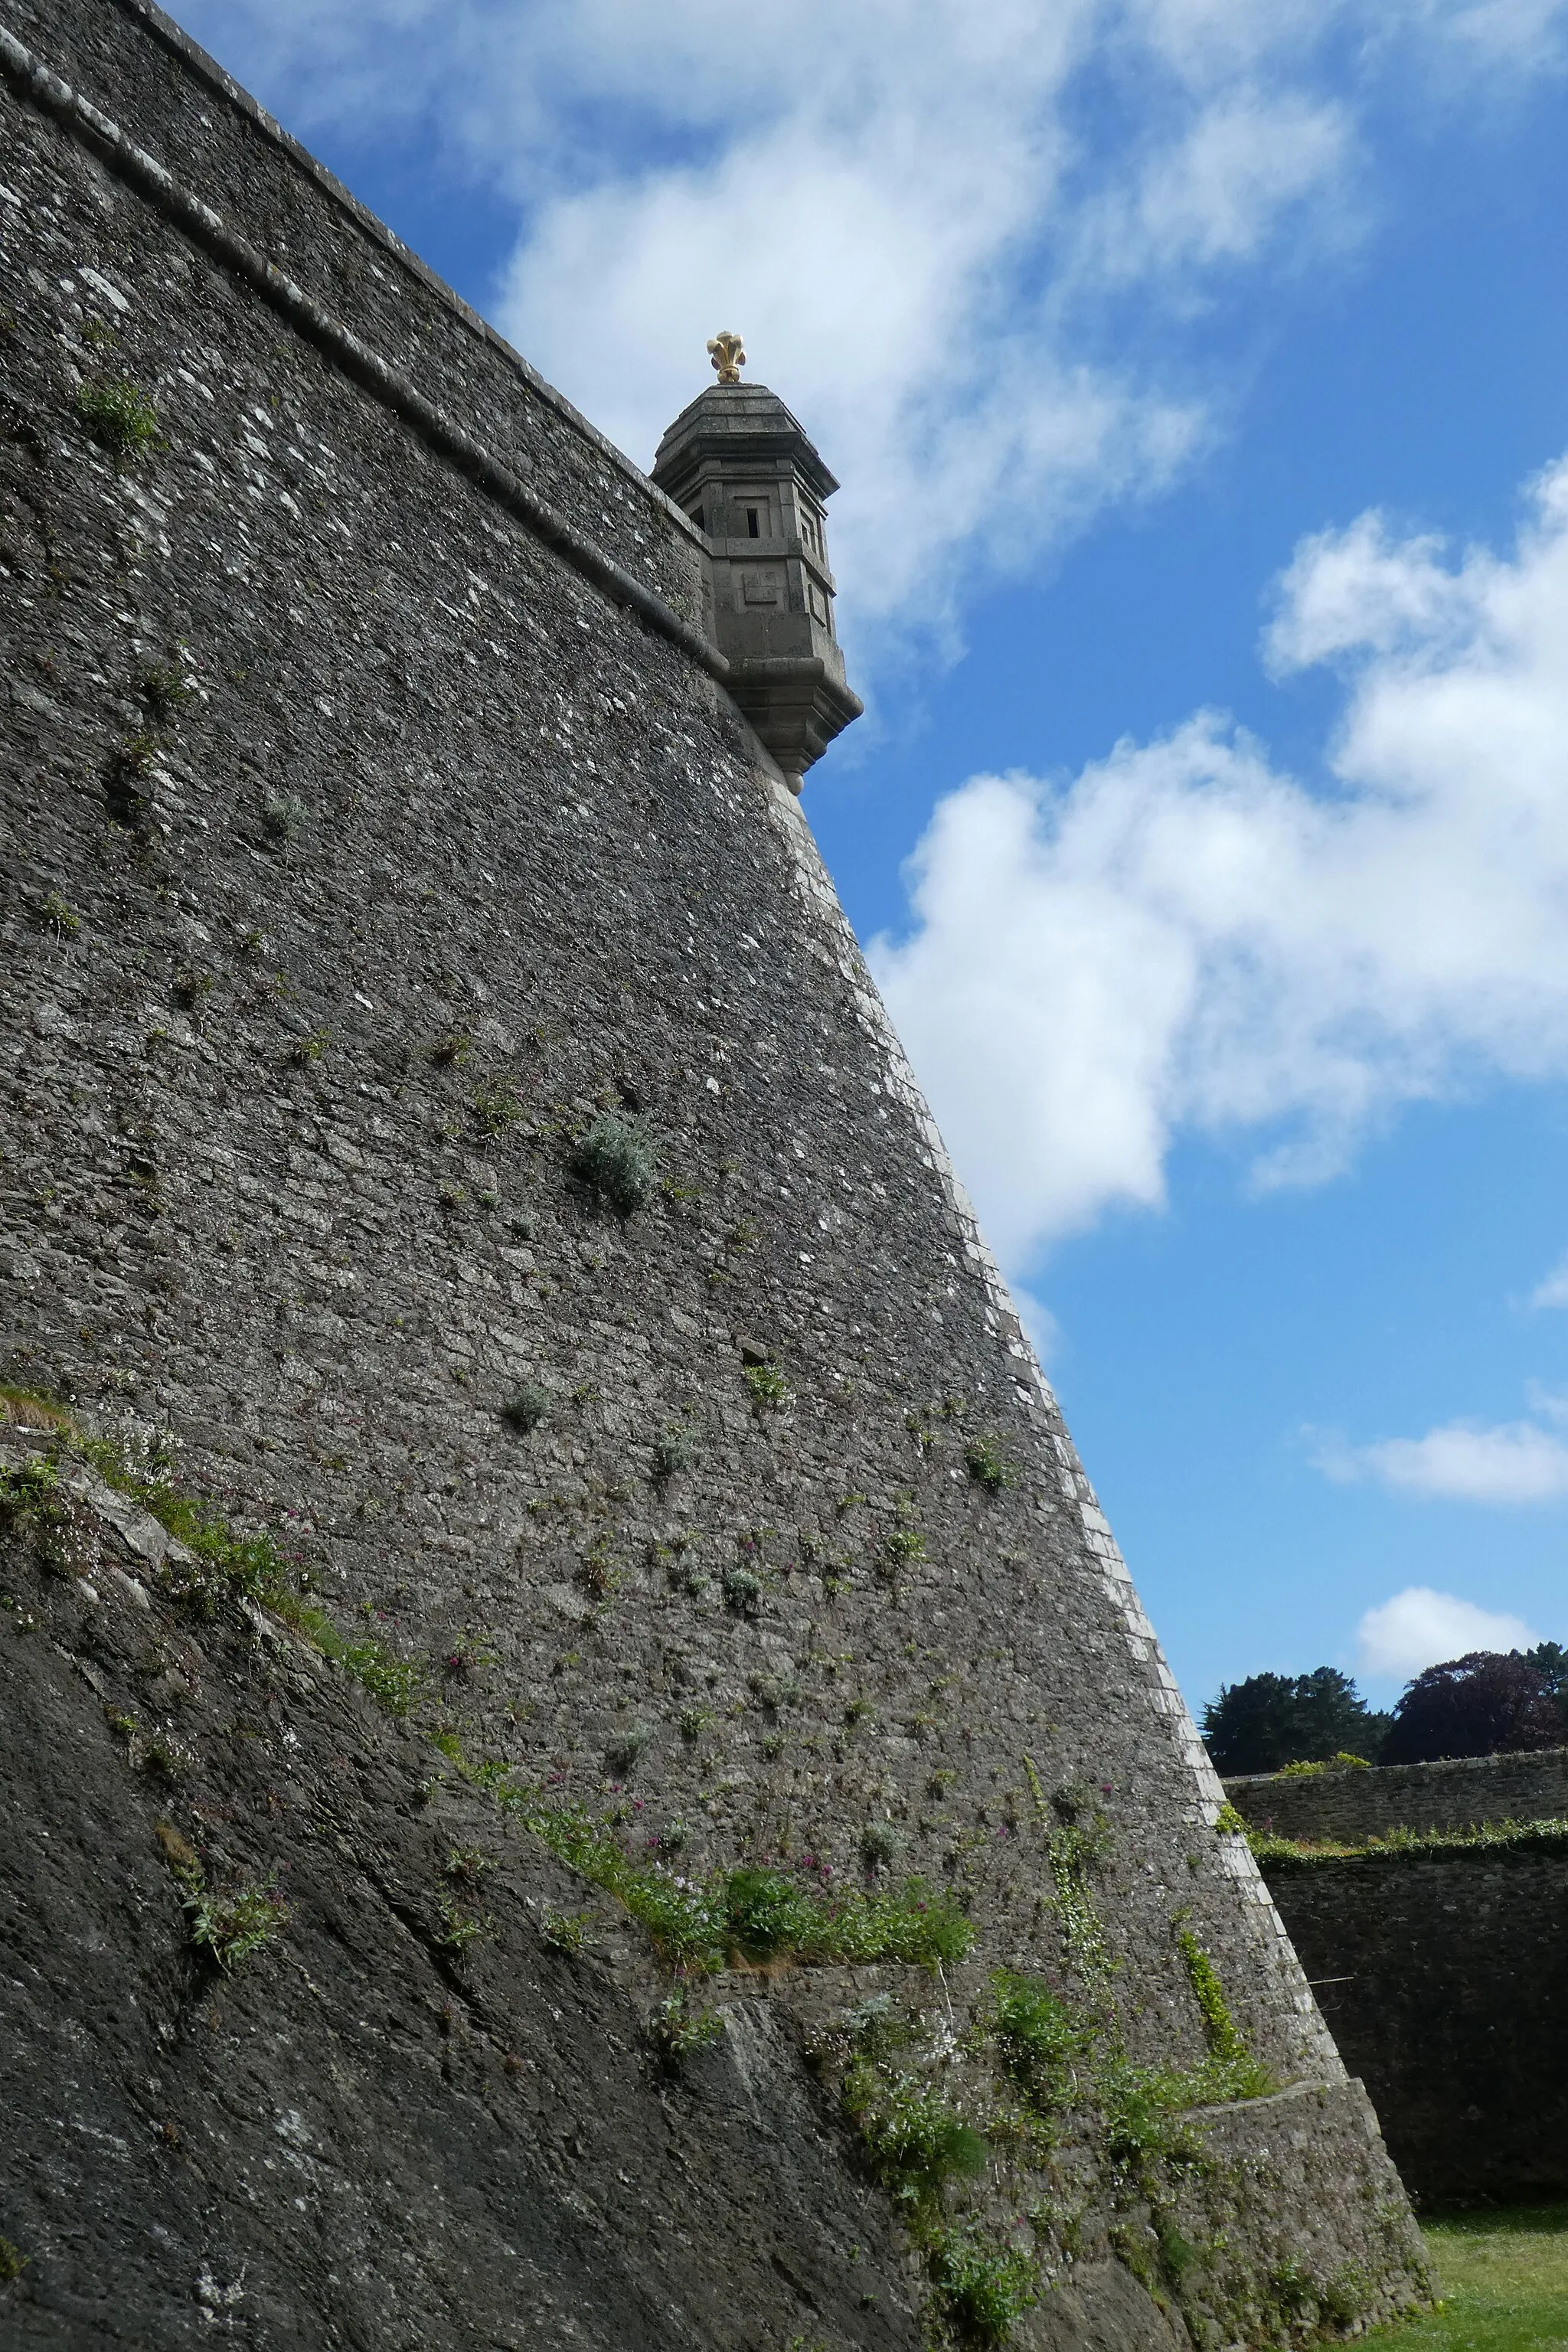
740	465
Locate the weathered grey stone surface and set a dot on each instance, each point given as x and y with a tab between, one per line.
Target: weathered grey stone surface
356	2140
1104	2310
1350	1805
314	972
364	2136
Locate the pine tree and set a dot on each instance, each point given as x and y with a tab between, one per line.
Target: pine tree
1270	1720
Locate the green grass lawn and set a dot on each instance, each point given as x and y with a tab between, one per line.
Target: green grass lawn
1505	2285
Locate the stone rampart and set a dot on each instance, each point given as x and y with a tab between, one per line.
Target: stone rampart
1351	1805
1445	1979
365	839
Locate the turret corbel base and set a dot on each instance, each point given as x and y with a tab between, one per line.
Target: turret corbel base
796	707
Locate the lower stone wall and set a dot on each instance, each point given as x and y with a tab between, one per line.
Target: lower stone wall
1443	1978
1351	1805
441	2091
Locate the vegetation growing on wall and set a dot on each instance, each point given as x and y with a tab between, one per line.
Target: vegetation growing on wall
51	913
989	2128
988	1464
30	1495
617	1160
121	417
991	2139
1277	1854
526	1409
214	1567
768	1386
746	1916
224	1924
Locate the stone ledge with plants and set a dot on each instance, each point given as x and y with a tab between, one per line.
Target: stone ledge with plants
281	1920
1276	1854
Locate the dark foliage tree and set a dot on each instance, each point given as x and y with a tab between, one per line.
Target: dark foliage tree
1552	1659
1269	1720
1488	1703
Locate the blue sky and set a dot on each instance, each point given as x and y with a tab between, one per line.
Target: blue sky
1197	375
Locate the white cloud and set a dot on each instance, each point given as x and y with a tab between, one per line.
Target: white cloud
972	284
1359	591
920	252
1181	937
868	287
1463	1461
1553	1290
1420	1628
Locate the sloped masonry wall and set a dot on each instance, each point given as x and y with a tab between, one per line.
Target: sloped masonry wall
374	2135
358	849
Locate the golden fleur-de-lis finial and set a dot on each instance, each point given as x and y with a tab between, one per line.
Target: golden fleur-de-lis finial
727	356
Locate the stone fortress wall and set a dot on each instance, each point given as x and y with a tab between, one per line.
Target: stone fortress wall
1351	1805
1444	1979
438	835
1443	1972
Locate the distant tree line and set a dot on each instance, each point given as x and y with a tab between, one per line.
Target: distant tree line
1488	1703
